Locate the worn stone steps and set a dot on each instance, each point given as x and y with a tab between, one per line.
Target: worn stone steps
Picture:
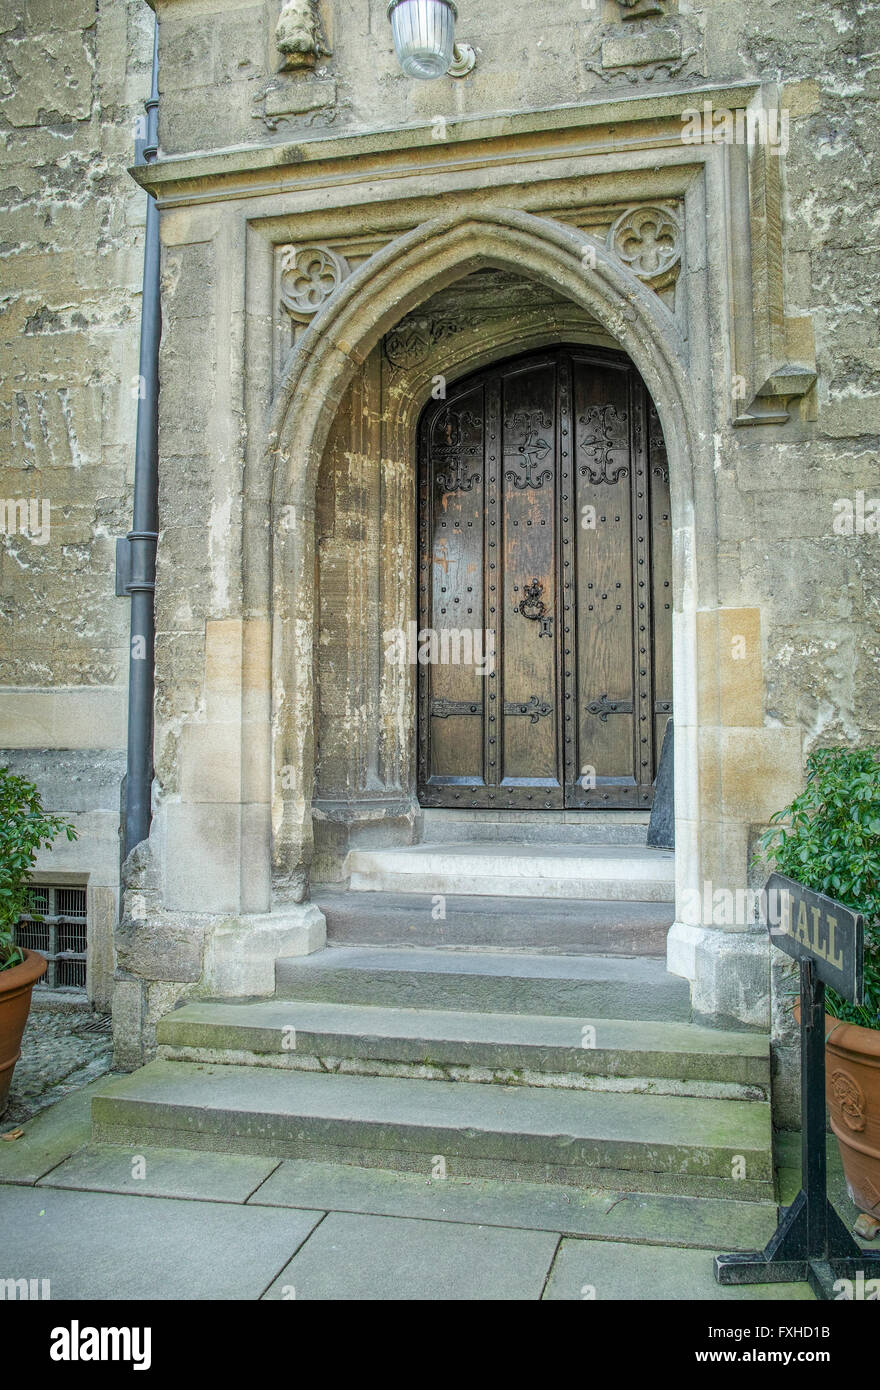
575	986
534	827
564	925
603	873
643	1142
614	1054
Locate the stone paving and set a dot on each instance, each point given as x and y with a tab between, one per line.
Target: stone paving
62	1050
101	1222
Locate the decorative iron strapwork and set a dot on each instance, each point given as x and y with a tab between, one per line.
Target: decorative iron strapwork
534	708
449	450
530	451
607	431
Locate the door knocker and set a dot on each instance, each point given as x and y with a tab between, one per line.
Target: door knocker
533	607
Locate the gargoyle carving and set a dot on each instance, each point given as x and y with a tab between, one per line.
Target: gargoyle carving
641	9
299	35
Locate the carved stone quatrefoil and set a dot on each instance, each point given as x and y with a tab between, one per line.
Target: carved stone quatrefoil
648	239
309	275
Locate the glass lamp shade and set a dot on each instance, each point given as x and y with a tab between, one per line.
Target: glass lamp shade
424	36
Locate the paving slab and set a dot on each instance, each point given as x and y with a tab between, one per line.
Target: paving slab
378	1258
152	1172
93	1245
50	1137
713	1224
62	1050
602	1270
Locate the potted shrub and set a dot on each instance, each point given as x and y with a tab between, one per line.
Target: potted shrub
828	839
25	828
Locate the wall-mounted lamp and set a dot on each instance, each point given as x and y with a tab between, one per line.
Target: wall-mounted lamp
424	39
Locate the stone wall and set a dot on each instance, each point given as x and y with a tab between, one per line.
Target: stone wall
766	372
224	85
73	77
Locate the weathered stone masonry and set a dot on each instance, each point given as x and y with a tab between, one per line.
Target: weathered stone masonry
287	426
72	82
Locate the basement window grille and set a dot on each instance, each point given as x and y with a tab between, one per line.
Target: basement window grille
57	929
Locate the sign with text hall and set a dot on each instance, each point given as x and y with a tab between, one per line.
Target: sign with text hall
809	926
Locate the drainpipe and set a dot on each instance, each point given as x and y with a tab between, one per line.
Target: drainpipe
136	555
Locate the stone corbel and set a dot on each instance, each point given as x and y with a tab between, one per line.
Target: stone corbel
769	405
299	36
642	9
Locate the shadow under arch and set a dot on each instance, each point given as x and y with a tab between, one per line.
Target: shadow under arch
378	294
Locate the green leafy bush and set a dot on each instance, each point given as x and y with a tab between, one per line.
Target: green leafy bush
25	828
828	839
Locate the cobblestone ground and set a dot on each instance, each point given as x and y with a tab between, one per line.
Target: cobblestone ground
62	1049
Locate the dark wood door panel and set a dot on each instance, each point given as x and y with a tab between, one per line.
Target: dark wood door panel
661	577
544	517
607	406
451	587
526	522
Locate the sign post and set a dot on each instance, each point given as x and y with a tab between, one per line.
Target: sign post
811	1241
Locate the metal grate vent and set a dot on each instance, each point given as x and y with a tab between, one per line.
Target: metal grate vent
57	929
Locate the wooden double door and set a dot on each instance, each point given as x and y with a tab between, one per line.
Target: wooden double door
545	587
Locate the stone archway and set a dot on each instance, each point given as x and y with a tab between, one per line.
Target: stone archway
377	295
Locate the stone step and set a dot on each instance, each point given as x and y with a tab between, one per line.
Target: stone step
615	1055
534	827
560	924
647	1143
585	987
601	873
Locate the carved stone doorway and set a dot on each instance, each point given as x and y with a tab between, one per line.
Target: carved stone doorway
545	587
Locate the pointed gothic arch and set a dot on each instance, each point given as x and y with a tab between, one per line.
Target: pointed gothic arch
386	287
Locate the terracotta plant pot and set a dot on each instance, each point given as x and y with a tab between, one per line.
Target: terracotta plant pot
16	986
852	1092
852	1089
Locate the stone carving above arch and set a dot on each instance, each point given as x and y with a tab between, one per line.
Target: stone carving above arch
642	9
309	275
299	35
648	240
410	343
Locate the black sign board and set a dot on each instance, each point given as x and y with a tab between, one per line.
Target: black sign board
811	1241
809	926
